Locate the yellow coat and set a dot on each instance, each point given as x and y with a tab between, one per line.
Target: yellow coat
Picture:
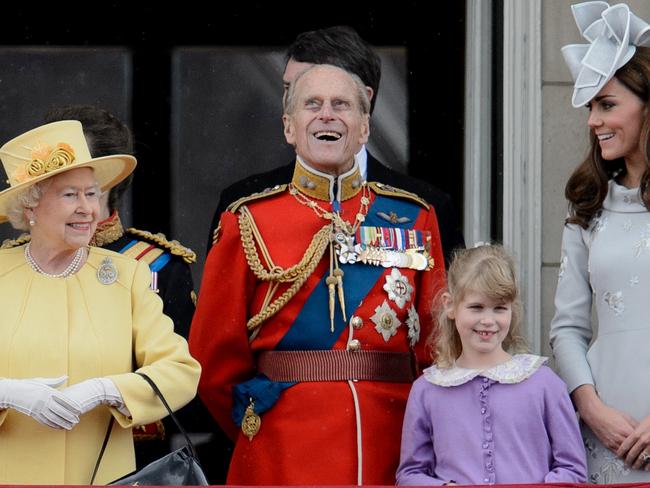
81	328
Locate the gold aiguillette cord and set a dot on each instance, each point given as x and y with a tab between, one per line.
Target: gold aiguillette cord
338	273
331	286
334	281
335	278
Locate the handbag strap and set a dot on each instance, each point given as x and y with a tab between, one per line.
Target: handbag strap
157	391
159	394
101	451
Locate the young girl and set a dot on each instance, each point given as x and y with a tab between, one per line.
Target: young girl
480	415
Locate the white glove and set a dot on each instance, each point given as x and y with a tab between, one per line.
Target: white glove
38	398
96	391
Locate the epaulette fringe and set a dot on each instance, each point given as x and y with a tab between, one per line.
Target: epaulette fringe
391	191
18	241
175	247
256	196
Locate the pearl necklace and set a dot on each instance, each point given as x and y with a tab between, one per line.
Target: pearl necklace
72	268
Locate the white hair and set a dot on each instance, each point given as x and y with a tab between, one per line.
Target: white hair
363	99
24	199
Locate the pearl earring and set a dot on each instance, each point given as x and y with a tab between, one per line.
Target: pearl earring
32	222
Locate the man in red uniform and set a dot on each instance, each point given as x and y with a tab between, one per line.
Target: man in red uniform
316	304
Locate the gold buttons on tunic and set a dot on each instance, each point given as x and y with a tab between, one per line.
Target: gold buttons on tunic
354	345
356	322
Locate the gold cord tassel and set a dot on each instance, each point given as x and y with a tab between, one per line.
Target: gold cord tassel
338	273
331	286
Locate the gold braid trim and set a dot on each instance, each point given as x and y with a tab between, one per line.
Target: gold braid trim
248	229
19	241
391	191
297	274
108	231
175	247
234	206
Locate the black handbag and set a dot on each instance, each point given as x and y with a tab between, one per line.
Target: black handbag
178	468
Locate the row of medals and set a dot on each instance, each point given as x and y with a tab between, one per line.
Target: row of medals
350	252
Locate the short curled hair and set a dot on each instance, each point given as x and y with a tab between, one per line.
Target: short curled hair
363	100
24	199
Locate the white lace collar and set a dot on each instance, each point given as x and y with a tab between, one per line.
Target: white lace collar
515	370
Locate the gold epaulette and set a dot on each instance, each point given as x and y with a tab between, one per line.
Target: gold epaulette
391	191
174	247
256	196
19	241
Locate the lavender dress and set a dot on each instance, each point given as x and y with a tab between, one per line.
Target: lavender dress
513	423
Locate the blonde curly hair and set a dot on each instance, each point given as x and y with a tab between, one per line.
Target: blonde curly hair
485	269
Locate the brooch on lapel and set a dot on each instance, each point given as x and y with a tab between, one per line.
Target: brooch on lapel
107	272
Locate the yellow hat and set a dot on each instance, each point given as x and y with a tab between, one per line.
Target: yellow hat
51	149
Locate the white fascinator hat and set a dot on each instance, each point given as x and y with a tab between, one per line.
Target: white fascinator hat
613	34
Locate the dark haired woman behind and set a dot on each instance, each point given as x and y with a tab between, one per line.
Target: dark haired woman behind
606	257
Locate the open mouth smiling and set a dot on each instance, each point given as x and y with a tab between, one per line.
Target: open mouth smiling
327	136
485	333
80	226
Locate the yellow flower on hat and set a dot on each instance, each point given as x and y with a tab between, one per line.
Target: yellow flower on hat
35	168
61	156
44	160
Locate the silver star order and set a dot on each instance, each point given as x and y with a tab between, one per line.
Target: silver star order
398	287
413	323
386	321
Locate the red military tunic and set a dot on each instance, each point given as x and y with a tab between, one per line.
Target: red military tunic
325	432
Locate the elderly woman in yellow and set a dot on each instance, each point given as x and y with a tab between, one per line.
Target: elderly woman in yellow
76	321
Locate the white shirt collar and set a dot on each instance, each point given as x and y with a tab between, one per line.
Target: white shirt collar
362	160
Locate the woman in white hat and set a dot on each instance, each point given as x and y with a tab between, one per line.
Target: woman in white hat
76	321
606	247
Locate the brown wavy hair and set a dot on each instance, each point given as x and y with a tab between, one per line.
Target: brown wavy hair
587	187
485	269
